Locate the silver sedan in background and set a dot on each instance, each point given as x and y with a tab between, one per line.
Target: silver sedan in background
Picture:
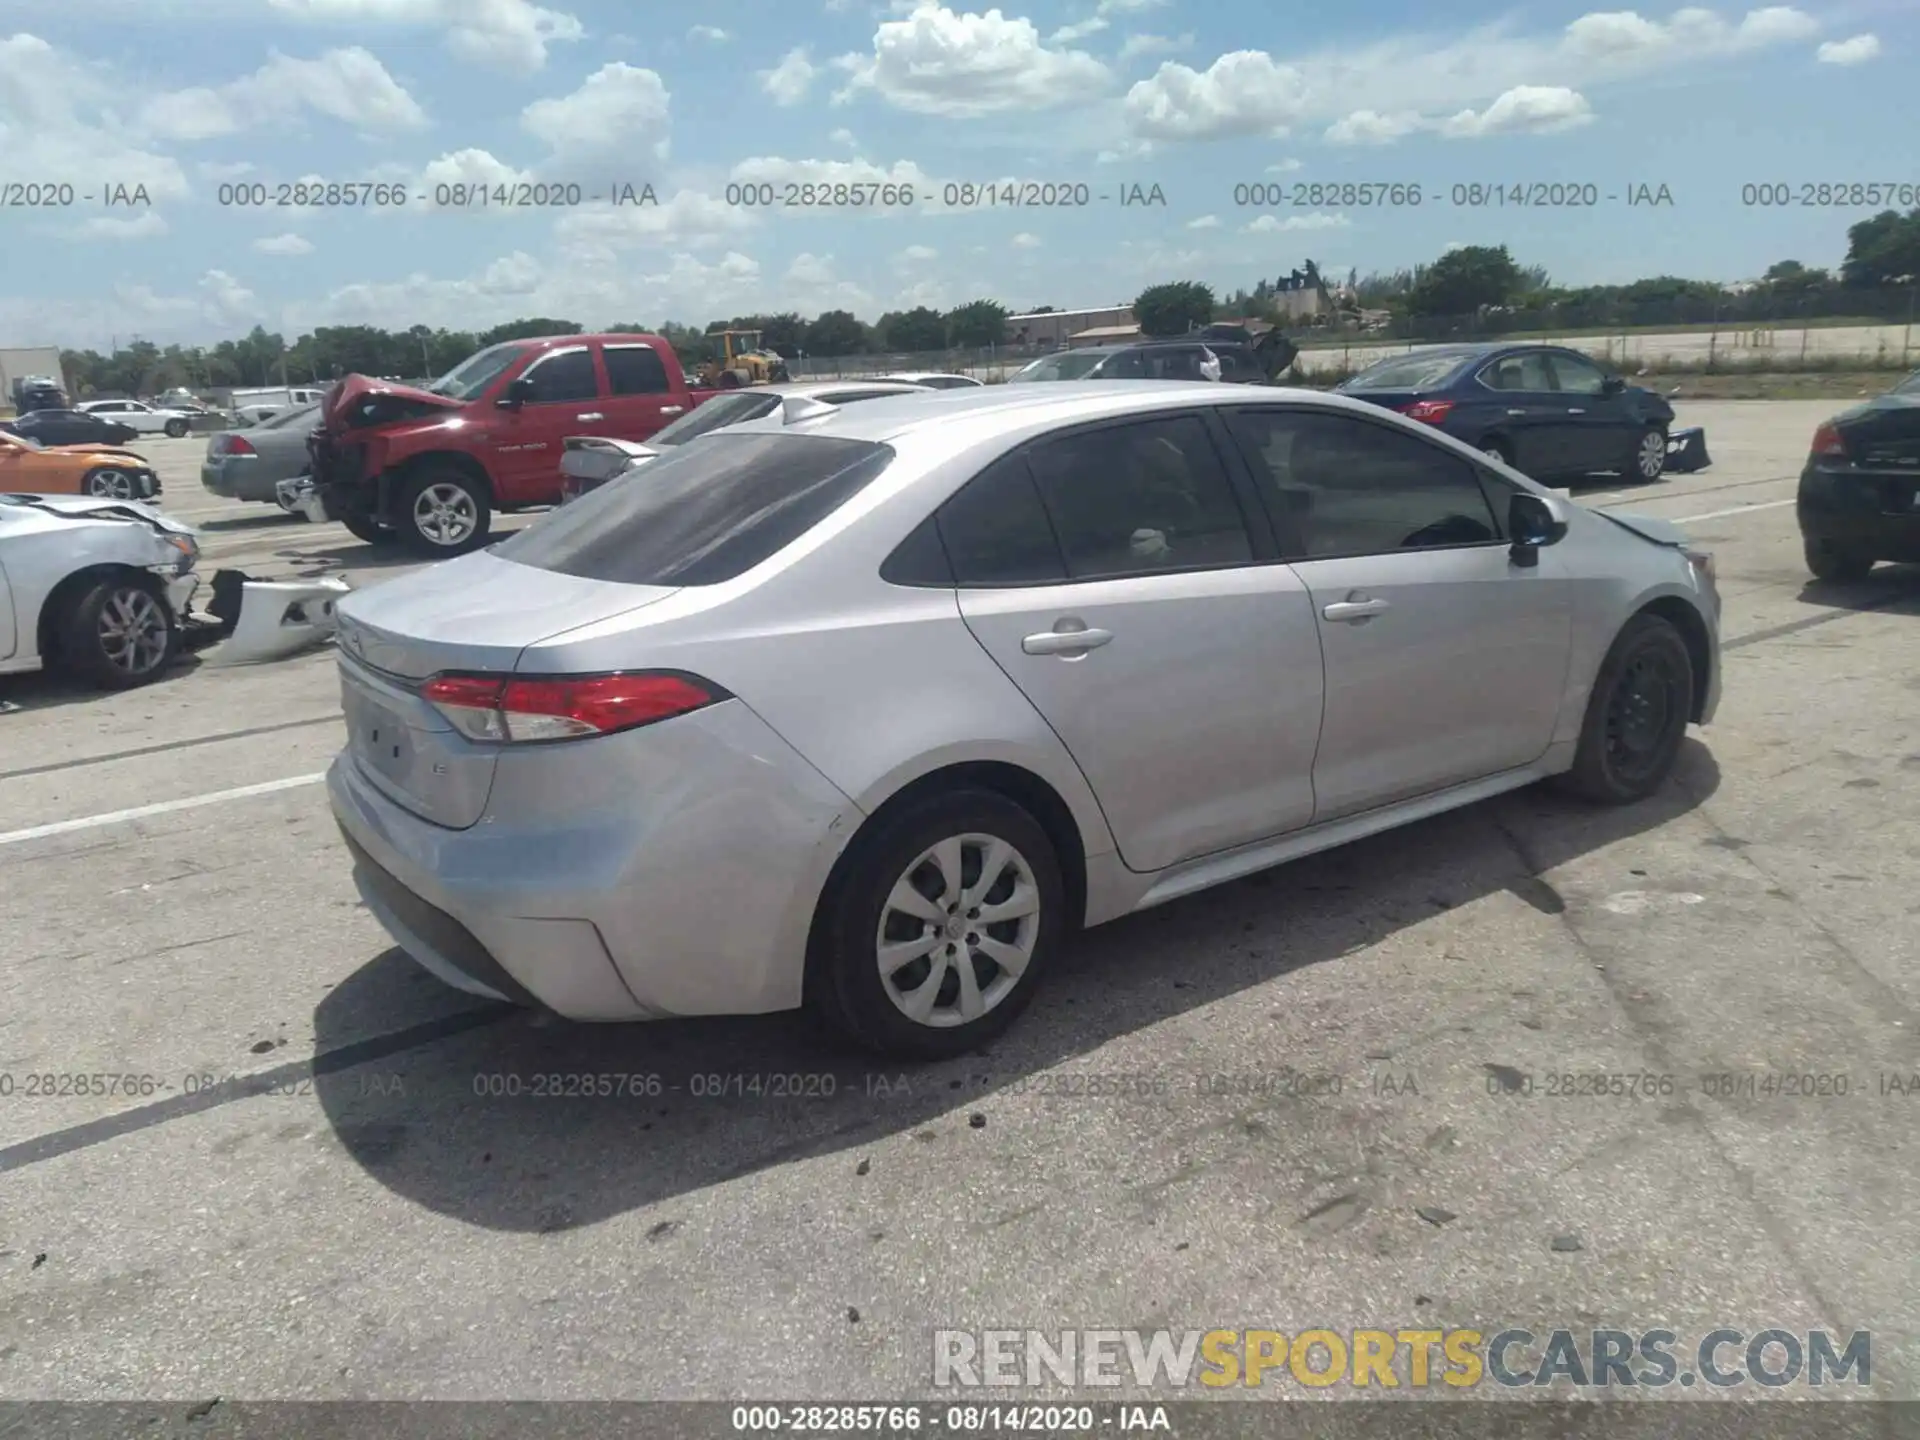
869	709
248	463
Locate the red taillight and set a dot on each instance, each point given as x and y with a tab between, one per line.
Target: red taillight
236	445
1827	440
510	709
1430	412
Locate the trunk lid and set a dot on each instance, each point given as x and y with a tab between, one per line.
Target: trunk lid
1883	433
477	613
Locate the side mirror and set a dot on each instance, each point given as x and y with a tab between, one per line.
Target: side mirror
518	393
1532	521
1612	385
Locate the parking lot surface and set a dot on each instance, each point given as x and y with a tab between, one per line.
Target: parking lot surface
1320	1097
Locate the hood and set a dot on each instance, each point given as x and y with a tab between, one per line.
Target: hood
360	400
1648	527
87	507
95	452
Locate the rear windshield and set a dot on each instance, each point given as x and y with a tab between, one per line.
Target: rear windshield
720	411
1409	372
702	514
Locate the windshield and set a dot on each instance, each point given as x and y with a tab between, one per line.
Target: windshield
1068	365
470	378
1410	372
717	413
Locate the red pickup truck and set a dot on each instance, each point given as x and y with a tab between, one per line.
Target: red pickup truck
430	468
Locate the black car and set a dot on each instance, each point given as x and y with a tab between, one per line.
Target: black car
1547	411
1238	363
70	427
1859	498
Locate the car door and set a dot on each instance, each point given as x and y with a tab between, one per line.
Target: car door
1525	410
1445	661
528	438
140	417
1122	579
640	396
1601	426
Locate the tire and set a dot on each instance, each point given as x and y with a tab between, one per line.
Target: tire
119	634
845	987
1637	715
365	527
104	482
1649	459
1837	564
176	429
443	512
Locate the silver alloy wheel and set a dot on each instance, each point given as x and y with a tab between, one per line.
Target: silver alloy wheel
110	484
1651	458
134	631
445	513
958	929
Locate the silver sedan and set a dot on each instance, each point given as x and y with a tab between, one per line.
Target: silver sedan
250	462
868	710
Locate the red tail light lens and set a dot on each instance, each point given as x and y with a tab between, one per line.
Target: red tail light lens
515	710
240	445
1827	440
1430	412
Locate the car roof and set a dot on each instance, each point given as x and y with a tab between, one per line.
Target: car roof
1019	406
816	387
914	375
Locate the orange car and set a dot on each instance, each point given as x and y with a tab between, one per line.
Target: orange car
100	470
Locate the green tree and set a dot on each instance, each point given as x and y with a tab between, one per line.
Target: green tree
977	324
1882	249
1174	308
1465	281
920	328
529	329
836	333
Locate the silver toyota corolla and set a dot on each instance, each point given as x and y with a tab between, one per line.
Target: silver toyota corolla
869	709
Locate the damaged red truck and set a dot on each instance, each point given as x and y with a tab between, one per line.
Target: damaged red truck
430	468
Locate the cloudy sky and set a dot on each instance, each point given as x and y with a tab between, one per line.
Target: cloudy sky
205	101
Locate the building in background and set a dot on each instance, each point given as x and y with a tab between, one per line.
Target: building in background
1052	329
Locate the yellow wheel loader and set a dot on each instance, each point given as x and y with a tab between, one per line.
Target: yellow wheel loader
744	360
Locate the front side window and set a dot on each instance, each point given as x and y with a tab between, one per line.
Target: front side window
1519	372
1146	496
1575	376
705	513
1343	486
565	375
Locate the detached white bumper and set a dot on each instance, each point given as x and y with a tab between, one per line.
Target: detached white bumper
277	619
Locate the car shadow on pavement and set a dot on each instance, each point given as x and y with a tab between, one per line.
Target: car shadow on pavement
489	1125
1894	588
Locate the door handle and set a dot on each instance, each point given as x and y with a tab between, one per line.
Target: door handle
1065	642
1356	609
673	409
1575	410
591	415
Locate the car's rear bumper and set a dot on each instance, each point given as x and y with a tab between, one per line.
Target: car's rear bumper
667	871
1873	512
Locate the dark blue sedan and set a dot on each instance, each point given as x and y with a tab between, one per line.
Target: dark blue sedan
1549	412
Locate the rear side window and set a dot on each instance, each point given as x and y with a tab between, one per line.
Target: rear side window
635	370
997	532
702	514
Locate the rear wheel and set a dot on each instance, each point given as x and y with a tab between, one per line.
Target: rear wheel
938	927
106	483
1837	563
443	512
119	634
365	527
176	428
1637	715
1650	453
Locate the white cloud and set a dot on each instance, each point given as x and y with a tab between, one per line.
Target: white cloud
216	170
466	172
780	172
599	236
1370	127
227	301
1135	46
938	62
1854	51
508	35
844	137
137	227
287	244
1205	222
1079	30
1313	220
918	254
619	111
1127	150
1421	82
789	81
350	86
1025	240
1523	110
712	34
62	116
1283	167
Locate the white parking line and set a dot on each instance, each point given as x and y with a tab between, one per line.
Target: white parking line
165	807
1736	510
